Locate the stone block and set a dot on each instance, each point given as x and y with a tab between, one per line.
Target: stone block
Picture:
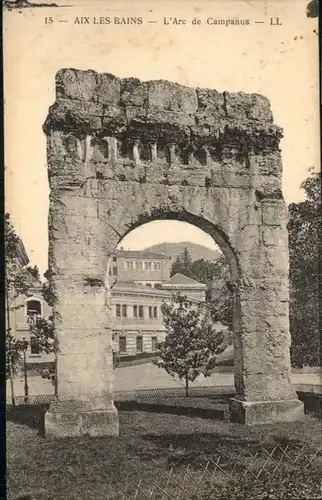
210	101
154	172
230	178
77	114
71	419
113	113
172	96
69	255
240	104
274	213
265	412
158	115
275	261
108	89
134	92
76	84
273	236
135	112
268	166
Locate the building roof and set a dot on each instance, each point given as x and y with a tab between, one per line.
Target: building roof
21	253
179	279
132	287
141	254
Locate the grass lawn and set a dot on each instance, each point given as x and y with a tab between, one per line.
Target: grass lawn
86	468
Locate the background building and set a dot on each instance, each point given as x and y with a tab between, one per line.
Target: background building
145	268
141	282
137	318
25	306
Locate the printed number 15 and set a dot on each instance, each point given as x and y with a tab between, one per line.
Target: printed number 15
49	20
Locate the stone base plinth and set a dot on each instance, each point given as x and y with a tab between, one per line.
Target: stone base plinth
74	418
265	412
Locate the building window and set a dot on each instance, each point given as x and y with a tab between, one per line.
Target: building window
140	265
148	285
157	285
34	346
150	312
114	270
155	312
147	266
154	341
130	264
135	311
124	310
157	266
118	310
141	314
122	344
139	344
114	259
33	307
126	264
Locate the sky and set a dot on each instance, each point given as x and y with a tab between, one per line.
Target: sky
280	62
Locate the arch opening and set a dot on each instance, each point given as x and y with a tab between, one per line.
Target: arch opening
201	223
146	260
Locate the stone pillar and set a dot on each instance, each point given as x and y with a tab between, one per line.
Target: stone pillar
154	154
136	153
112	148
172	153
79	248
84	366
264	393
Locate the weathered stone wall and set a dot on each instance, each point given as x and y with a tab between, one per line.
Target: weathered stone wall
123	152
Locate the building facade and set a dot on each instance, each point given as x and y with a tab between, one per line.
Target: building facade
141	283
137	317
26	306
145	268
136	304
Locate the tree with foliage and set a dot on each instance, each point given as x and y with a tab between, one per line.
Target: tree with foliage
201	270
43	330
305	267
216	275
220	301
34	272
182	264
15	352
191	344
47	290
17	283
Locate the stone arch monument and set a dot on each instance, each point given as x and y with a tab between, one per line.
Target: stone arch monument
121	153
